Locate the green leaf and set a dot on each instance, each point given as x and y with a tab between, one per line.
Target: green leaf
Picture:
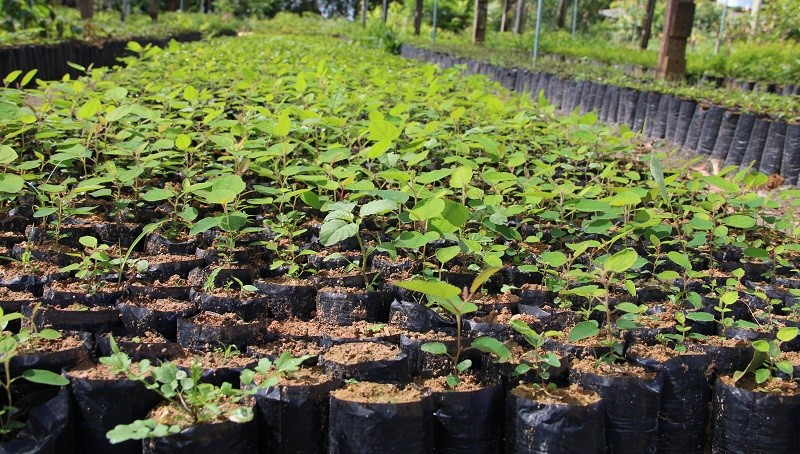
621	261
445	254
461	177
464	365
739	221
453	217
761	346
204	224
89	109
182	142
377	207
553	259
762	375
756	253
336	230
627	307
233	183
156	195
482	278
787	333
721	183
427	209
190	93
382	130
435	348
44	377
680	260
28	76
88	241
7	154
583	330
12	76
700	316
493	346
10	183
430	288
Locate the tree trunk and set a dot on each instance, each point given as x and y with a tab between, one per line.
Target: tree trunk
677	29
519	17
504	19
417	17
647	24
561	13
755	11
364	13
86	8
479	25
153	7
173	5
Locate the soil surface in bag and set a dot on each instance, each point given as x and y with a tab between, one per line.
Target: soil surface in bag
748	421
632	397
685	397
566	420
371	418
293	416
468	419
101	403
226	437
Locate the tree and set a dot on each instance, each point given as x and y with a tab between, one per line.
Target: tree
561	13
519	17
677	29
418	17
479	24
647	24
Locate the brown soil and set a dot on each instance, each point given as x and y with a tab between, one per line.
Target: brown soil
771	386
361	352
149	337
431	336
368	392
173	414
659	352
14	269
439	384
294	347
289	281
161	305
167	258
657	320
296	328
529	286
503	299
9	295
504	317
573	395
214	319
39	345
716	341
91	371
792	357
306	376
612	370
214	360
336	290
360	330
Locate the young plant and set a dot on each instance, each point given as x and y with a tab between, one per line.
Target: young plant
342	223
535	359
766	358
457	303
191	402
12	345
608	275
94	264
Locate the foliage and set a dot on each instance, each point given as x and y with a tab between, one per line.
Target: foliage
14	345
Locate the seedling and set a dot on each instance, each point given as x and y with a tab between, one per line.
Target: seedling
446	297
